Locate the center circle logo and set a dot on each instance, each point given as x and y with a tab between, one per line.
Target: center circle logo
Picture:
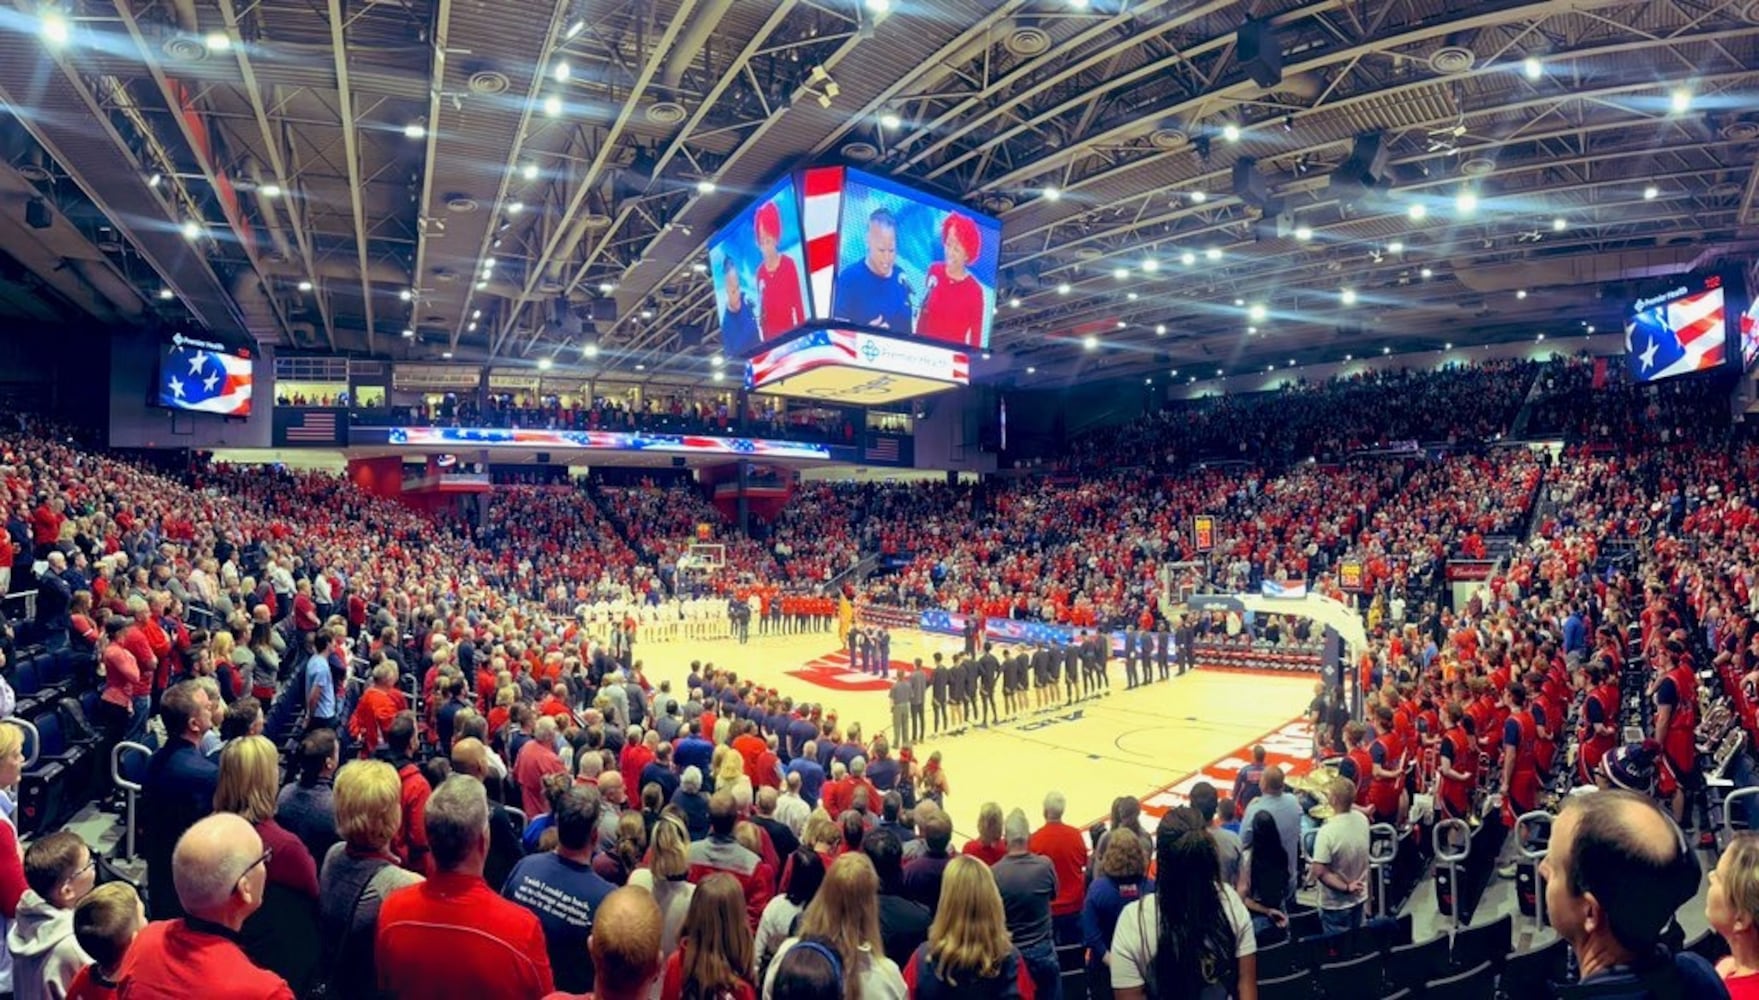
870	350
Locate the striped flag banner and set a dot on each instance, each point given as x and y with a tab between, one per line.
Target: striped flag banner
312	427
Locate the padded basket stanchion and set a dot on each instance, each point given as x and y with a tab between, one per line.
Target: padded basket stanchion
1452	839
130	787
1531	827
1383	848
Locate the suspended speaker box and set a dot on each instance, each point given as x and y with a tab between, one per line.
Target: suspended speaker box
1261	56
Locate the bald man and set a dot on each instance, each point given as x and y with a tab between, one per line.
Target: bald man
625	947
1616	871
219	868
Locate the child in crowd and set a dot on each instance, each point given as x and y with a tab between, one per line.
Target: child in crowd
105	923
59	870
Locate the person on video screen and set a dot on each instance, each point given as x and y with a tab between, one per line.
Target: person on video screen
873	292
738	323
952	309
779	299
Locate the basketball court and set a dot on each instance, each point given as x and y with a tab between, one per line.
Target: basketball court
1153	742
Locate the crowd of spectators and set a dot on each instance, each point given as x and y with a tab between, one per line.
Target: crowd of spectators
657	413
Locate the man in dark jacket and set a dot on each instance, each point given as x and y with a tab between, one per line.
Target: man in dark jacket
178	788
903	921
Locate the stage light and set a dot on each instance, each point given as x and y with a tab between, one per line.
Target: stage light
562	72
606	288
481	285
1521	293
529	171
1534	68
54	28
1120	273
1448	346
476	314
591	350
705	186
1252	331
1187	258
1132	296
1466	202
1231	132
719	376
1303	233
698	267
1014	302
1427	273
305	286
574	29
1258	312
1395	247
1198	197
155	180
1213	253
1386	350
415	130
641	368
1090	342
718	360
544	364
1417	211
1150	265
217	41
1160	330
191	229
1651	193
1681	100
553	106
890	120
1239	302
1540	339
166	294
470	328
271	190
1050	194
1347	296
408	334
446	355
1031	370
1063	289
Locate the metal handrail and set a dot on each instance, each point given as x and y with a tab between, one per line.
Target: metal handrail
131	788
1728	802
1535	818
1443	852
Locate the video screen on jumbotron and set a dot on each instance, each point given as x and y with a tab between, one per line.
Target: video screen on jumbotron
1750	333
1680	329
913	265
203	377
759	269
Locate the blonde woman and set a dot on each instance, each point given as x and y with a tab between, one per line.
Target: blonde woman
281	936
823	836
11	858
1732	909
988	847
845	915
730	773
666	876
968	952
358	874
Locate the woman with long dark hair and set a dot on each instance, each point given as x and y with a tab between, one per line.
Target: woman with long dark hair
1193	937
1264	875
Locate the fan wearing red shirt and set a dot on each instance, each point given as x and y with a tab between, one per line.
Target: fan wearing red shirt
780	303
491	947
952	309
1066	849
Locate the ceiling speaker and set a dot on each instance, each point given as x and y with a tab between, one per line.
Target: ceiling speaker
1261	55
604	310
36	213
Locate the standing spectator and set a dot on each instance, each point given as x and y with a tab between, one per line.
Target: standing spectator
1028	884
177	790
562	889
792	809
722	853
281	936
320	685
1264	877
1227	842
1616	871
714	956
492	947
1286	811
968	952
12	880
666	879
536	759
60	870
1192	937
1732	909
782	838
411	841
357	875
845	915
1121	879
307	806
692	803
1066	850
105	923
1340	860
903	922
803	874
625	948
922	876
988	846
219	868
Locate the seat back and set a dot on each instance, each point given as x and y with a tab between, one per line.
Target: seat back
1484	943
1528	975
1410	966
1281	960
1305	924
1473	984
1353	978
51	734
27	678
75	723
1299	986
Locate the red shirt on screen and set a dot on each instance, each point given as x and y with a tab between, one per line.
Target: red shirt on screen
780	302
952	310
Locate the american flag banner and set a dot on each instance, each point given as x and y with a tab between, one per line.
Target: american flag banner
883	449
821	209
815	350
192	378
1687	334
309	426
676	444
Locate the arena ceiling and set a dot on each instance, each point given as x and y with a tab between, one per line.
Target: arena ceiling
418	179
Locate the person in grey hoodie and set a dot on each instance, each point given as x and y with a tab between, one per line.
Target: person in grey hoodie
60	870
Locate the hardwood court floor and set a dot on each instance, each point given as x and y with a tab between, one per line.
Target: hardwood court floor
1128	743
